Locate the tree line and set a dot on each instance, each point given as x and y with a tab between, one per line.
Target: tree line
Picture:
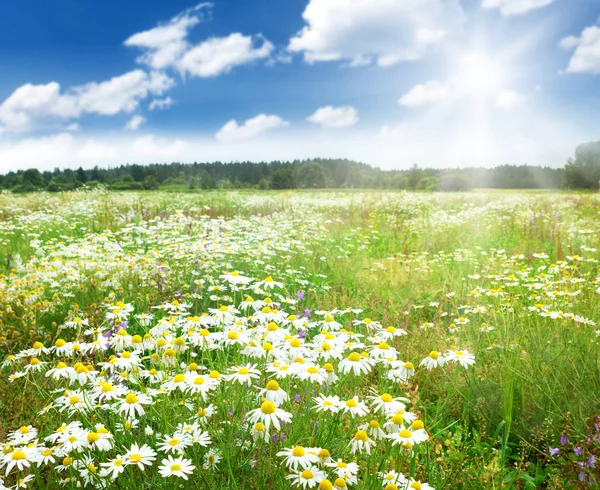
580	172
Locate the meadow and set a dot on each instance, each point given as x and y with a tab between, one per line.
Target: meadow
299	339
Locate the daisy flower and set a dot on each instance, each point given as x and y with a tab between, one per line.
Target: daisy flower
244	374
178	442
133	403
357	363
386	403
355	407
409	437
329	403
140	456
268	414
462	357
361	443
309	477
274	393
176	467
19	458
433	360
298	456
348	471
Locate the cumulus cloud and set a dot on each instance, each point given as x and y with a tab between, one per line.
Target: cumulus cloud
220	55
31	106
586	55
394	131
515	7
30	152
232	131
425	93
135	122
161	104
156	148
165	44
334	117
363	31
509	99
94	151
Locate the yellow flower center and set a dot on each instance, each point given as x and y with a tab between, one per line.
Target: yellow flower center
417	424
174	442
93	437
243	371
312	370
325	485
434	354
175	467
199	380
361	435
307	474
135	458
178	378
268	408
351	403
405	434
298	451
18	455
131	399
354	357
273	385
386	397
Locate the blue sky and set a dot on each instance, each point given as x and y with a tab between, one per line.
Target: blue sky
390	82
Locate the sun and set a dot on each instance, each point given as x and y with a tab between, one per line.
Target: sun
478	73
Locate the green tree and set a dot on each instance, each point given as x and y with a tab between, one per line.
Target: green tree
283	178
313	176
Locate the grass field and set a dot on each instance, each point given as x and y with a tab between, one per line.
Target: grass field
330	339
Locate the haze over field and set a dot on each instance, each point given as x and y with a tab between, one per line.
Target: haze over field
441	83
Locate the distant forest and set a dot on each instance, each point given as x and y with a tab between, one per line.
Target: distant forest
581	172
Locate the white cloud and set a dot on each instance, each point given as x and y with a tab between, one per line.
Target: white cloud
232	131
220	55
96	152
42	153
568	43
384	31
586	58
73	127
150	146
509	99
161	104
515	7
425	93
394	131
334	117
135	122
30	106
165	44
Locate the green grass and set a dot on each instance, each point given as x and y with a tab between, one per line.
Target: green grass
404	258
